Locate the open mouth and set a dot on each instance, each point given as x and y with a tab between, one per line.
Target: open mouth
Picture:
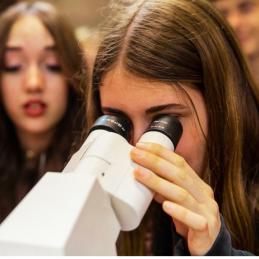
35	108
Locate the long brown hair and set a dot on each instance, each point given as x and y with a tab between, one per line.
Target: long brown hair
69	129
183	41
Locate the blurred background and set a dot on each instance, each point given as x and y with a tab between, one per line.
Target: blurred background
84	15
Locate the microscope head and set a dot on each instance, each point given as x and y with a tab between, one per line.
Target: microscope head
109	157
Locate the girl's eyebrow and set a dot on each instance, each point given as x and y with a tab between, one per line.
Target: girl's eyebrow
150	110
51	48
11	49
113	110
159	108
18	48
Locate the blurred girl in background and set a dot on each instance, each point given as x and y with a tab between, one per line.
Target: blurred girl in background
41	92
243	16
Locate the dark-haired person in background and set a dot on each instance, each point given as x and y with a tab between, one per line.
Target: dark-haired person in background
41	108
243	16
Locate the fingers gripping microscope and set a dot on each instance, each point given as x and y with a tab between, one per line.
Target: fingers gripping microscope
82	210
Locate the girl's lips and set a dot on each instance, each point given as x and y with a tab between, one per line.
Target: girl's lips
35	108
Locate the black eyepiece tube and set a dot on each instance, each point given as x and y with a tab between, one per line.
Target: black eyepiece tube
168	125
117	124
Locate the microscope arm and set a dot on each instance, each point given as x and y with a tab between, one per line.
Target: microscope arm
82	210
64	214
77	212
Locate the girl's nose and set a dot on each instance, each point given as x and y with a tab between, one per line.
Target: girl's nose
34	79
235	19
137	132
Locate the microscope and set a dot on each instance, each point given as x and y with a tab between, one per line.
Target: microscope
82	210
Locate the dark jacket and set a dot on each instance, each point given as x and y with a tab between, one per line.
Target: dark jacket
221	247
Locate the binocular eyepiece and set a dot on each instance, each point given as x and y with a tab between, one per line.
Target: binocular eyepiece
118	124
165	124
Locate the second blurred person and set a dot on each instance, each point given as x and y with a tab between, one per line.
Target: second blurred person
41	105
243	16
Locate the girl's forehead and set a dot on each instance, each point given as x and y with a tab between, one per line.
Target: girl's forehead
27	29
121	90
119	80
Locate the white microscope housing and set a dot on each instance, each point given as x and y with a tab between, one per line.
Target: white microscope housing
82	210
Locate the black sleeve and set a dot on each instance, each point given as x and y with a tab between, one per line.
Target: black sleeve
221	247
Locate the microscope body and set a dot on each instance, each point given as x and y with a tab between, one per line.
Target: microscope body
111	164
82	210
64	214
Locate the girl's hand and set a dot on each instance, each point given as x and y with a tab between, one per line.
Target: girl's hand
185	197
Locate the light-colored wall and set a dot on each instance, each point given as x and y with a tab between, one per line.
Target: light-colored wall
81	12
